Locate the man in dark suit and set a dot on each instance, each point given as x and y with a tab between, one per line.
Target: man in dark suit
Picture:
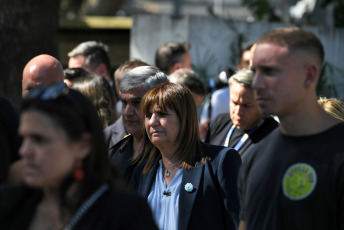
132	88
116	132
246	124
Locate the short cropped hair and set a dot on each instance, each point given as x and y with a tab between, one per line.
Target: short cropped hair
190	79
146	76
244	77
295	39
95	52
125	68
170	53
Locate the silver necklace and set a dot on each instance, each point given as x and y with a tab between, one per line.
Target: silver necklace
167	171
86	205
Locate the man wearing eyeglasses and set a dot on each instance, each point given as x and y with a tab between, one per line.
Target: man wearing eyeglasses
41	70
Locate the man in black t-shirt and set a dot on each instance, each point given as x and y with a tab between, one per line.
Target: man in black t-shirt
294	178
245	124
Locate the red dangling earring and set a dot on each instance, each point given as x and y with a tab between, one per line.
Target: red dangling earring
78	172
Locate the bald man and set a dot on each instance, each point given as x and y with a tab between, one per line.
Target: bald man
41	70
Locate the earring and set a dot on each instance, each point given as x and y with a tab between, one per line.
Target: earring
78	172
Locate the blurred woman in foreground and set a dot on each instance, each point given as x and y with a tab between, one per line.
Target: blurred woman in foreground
67	172
188	184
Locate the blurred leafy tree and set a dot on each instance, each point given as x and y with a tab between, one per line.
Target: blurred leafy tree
261	9
338	11
28	28
330	83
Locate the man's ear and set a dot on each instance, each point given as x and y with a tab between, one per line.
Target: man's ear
102	70
85	146
311	75
175	66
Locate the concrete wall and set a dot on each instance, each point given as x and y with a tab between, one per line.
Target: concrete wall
215	44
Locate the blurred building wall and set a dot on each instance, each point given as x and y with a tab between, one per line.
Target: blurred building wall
215	43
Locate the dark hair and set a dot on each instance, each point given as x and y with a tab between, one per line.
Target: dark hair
95	52
170	53
295	39
74	73
245	46
178	98
75	114
102	96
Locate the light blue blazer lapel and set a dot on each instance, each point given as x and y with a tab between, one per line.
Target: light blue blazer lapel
187	199
146	181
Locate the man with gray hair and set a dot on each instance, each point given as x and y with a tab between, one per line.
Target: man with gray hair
245	125
190	79
92	56
133	86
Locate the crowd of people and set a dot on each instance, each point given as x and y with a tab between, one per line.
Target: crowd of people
91	151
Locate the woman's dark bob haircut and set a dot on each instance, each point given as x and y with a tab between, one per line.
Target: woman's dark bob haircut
179	99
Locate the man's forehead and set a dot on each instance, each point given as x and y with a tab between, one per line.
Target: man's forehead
267	52
133	94
77	61
238	91
278	49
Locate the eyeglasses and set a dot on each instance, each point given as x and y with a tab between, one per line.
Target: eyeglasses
47	93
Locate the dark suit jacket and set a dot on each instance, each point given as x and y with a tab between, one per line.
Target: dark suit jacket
213	204
115	132
121	154
221	125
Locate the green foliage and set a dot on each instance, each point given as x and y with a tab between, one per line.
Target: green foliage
204	62
261	9
338	11
338	14
330	82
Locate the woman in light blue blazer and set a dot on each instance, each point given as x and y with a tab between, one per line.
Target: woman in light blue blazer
188	184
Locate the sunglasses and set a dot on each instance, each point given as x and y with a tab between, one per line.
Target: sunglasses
47	93
56	91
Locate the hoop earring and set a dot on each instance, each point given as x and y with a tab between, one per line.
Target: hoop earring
78	171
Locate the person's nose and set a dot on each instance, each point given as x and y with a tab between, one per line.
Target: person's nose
258	81
26	148
239	110
154	120
128	110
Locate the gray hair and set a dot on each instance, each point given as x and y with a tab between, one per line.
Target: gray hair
190	79
146	76
95	52
244	77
